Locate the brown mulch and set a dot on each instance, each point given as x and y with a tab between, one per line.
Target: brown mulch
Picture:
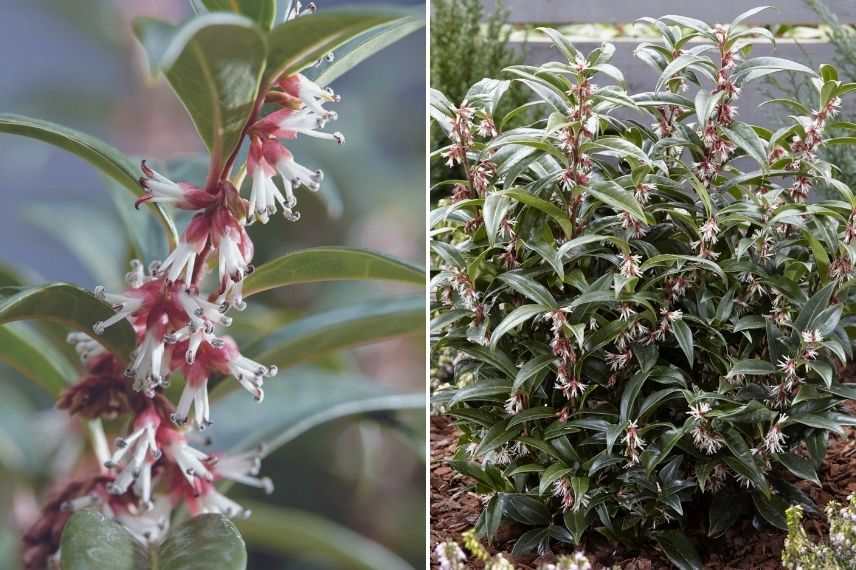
455	509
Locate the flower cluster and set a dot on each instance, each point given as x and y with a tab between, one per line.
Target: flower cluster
672	325
157	466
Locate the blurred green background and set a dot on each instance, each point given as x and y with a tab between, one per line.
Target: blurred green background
76	63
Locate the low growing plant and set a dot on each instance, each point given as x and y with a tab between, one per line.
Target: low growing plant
149	496
639	308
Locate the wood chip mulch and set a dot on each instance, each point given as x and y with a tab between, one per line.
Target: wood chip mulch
455	509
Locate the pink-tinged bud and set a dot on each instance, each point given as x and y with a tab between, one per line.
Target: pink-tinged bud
160	189
312	94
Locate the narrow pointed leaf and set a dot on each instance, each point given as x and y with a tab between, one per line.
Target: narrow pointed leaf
338	329
296	401
33	357
99	154
363	49
297	44
74	307
330	264
303	535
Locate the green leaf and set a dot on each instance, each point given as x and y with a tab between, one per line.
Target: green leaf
33	357
529	288
617	198
552	474
201	543
262	12
98	153
297	401
306	536
363	49
772	508
339	329
91	541
74	307
216	80
558	215
752	367
758	67
668	258
514	319
297	44
678	548
496	206
330	264
747	139
684	335
799	466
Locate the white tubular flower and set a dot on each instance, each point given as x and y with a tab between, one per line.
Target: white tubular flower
125	305
242	468
134	457
305	122
630	265
149	368
775	438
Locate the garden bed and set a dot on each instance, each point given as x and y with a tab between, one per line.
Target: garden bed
455	508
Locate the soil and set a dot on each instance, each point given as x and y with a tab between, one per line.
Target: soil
455	509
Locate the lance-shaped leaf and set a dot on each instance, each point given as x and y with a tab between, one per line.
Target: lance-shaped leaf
32	356
307	338
73	307
330	264
369	44
618	198
298	534
297	44
91	541
214	63
296	401
262	12
98	153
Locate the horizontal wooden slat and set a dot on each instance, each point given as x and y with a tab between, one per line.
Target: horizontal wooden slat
625	11
640	77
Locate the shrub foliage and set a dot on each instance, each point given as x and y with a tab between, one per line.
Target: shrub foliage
639	301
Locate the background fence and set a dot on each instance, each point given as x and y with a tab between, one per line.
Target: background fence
638	75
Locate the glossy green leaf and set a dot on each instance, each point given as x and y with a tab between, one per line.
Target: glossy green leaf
330	264
678	548
98	153
306	536
299	43
548	208
32	356
262	12
684	335
214	63
74	307
91	541
618	198
385	36
514	319
338	329
529	288
296	401
202	543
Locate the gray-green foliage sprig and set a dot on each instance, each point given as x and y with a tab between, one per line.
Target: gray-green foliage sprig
644	300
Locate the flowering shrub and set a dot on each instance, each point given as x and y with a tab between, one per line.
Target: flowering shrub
839	554
638	303
244	83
